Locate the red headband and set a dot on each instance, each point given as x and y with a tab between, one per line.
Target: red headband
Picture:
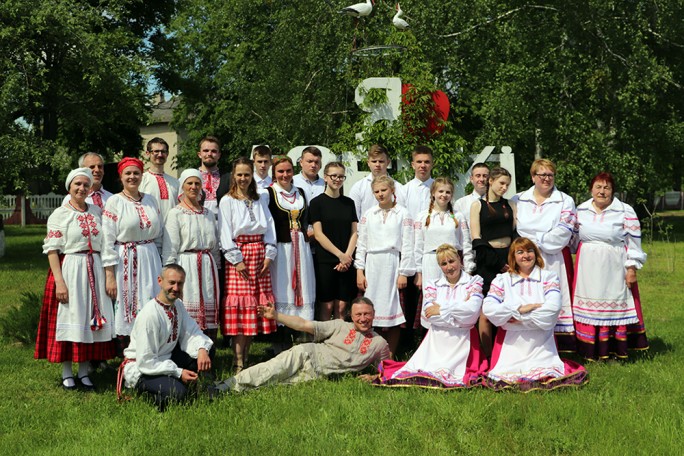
129	161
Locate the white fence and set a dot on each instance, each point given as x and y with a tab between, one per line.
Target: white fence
28	209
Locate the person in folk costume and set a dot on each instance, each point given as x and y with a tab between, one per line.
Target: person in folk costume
438	225
524	303
384	258
333	217
547	216
163	187
492	228
168	350
209	154
248	241
292	275
133	230
606	301
77	319
449	356
98	196
191	241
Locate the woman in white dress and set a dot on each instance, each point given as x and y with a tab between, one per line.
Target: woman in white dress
384	258
439	224
547	216
606	302
524	304
191	241
292	275
133	232
76	321
249	245
449	356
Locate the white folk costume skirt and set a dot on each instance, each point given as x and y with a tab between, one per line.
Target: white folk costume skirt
561	264
292	285
382	271
201	290
136	281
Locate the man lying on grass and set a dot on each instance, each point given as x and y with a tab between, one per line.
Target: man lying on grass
338	347
167	349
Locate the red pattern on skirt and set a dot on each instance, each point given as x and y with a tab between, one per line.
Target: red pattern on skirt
243	296
55	351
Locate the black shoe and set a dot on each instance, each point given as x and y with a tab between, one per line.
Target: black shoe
85	387
69	388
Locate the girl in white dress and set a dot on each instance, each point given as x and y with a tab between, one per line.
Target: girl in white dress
384	258
249	245
547	216
438	225
76	321
292	275
133	232
524	304
606	302
449	356
191	241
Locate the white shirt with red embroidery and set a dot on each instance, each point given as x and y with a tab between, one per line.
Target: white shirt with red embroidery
210	184
156	332
163	188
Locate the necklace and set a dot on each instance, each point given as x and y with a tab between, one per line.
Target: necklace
130	198
77	209
192	208
289	197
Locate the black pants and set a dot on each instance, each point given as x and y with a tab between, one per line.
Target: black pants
164	388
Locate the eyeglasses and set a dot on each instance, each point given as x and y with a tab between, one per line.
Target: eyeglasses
159	151
544	176
337	176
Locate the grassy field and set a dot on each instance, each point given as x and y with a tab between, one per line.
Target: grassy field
636	407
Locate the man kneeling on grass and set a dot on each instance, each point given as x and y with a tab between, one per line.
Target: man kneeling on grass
167	349
338	347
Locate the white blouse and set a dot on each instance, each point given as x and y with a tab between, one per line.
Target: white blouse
150	184
186	230
443	230
69	231
386	230
242	217
550	224
126	221
459	306
616	225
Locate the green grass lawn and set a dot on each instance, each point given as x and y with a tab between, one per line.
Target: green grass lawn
636	407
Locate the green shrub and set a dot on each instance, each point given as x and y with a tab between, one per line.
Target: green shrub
21	323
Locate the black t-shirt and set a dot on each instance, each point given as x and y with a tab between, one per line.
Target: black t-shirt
336	216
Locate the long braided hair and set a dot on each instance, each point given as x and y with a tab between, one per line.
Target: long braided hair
433	189
494	174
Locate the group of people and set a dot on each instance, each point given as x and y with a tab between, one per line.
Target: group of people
152	273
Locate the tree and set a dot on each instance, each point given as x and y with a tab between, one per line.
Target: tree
75	79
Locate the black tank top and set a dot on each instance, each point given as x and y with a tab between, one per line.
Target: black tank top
496	220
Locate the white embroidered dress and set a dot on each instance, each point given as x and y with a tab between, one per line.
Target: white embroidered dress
132	231
155	335
384	251
443	354
442	230
550	225
528	351
610	242
191	241
74	234
236	219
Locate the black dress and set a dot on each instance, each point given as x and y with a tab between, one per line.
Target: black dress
496	221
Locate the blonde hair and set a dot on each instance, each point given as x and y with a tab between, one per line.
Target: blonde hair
542	163
433	189
447	251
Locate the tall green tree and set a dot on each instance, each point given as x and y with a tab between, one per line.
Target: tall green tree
75	78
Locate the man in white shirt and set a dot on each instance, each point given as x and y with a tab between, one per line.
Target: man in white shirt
308	180
417	191
479	175
98	195
362	193
209	154
163	187
262	157
168	350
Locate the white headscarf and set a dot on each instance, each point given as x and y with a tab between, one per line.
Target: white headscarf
78	172
188	173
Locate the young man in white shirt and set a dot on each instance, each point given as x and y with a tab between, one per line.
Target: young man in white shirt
479	175
262	157
163	187
361	192
308	180
209	154
417	191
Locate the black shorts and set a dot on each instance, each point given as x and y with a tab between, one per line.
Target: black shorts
333	285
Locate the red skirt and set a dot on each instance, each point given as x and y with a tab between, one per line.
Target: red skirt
57	351
240	315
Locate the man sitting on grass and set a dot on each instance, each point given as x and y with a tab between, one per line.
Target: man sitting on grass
338	347
167	349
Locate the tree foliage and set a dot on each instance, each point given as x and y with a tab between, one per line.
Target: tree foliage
75	78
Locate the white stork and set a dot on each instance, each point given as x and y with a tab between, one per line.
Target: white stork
359	9
397	21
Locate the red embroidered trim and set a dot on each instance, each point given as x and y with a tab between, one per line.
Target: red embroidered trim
350	337
110	215
54	234
88	225
172	314
144	221
211	184
365	344
163	189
